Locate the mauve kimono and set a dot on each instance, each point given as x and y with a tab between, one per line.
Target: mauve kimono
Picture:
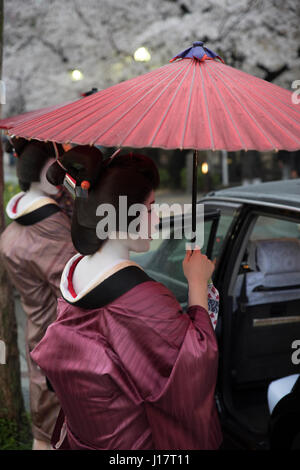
130	369
34	249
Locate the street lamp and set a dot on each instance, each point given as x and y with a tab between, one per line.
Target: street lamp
142	55
76	75
204	168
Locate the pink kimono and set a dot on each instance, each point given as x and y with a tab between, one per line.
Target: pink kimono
34	249
130	369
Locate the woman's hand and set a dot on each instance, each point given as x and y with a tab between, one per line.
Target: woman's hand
197	267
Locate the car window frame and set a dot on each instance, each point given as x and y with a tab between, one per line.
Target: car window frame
162	254
211	215
218	204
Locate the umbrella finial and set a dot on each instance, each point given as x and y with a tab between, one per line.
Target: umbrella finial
197	52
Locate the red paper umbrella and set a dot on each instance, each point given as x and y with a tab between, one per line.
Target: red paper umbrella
195	102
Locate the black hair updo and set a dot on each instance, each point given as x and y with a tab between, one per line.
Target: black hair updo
132	175
32	155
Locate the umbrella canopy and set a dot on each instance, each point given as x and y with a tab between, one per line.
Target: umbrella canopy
195	102
9	122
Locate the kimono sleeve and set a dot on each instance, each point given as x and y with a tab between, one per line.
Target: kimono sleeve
172	358
184	415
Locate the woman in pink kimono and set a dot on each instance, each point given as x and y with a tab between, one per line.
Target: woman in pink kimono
34	249
130	368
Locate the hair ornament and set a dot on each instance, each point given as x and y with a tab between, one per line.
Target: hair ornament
70	184
83	190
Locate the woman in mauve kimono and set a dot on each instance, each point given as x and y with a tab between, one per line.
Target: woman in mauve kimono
34	249
130	368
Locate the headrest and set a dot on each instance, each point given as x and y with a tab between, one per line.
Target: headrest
274	256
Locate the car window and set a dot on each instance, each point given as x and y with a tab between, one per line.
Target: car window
169	261
167	255
271	227
164	260
176	248
227	214
225	222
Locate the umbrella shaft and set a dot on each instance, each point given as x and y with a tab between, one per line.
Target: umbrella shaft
194	195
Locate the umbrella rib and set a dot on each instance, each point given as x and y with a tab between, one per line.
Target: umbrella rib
28	116
228	111
249	114
266	112
168	108
188	108
45	118
263	92
259	84
96	120
129	92
133	106
151	105
207	110
78	106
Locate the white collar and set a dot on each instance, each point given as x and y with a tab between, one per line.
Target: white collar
12	207
110	269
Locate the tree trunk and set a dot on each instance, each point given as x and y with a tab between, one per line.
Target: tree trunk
11	400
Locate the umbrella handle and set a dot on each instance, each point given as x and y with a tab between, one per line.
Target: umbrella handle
194	196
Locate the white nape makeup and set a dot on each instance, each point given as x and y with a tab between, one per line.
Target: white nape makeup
113	251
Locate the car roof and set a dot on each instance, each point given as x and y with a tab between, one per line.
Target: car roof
283	192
